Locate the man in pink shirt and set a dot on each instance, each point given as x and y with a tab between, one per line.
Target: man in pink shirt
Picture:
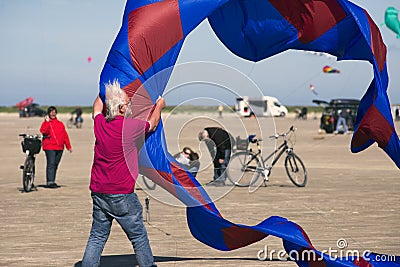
112	183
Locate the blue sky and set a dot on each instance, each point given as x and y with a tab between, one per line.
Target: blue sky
45	45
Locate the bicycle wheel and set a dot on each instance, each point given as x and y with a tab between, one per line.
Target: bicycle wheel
243	169
148	183
295	170
28	174
70	123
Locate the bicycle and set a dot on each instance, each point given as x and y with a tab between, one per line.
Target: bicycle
77	122
31	146
148	183
246	166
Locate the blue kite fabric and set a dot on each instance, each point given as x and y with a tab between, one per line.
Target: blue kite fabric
145	51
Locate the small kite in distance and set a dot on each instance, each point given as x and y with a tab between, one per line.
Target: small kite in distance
89	59
312	89
329	69
26	102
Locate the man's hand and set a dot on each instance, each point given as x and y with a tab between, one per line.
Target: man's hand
156	114
47	118
161	102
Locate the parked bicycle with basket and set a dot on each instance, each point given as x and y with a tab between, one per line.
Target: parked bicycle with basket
246	166
31	146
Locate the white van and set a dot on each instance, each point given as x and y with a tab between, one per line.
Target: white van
260	106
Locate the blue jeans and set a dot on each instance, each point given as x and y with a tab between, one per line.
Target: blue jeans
53	158
127	210
220	168
341	121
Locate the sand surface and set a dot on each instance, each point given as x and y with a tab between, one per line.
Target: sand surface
348	196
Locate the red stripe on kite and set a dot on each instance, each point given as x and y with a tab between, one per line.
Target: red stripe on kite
377	45
161	178
311	18
149	39
312	258
361	263
305	236
185	181
373	125
237	237
131	88
141	103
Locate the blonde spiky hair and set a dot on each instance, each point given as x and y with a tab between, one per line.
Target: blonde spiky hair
115	97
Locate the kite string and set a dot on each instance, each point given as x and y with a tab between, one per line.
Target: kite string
253	65
169	235
303	84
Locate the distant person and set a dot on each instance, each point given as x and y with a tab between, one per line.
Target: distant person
342	120
397	114
112	181
297	111
350	120
54	141
220	110
189	159
219	142
21	111
27	111
304	112
78	118
301	113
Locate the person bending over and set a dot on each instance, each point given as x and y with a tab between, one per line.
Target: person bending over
219	142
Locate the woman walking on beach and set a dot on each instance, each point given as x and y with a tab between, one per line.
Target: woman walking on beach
55	137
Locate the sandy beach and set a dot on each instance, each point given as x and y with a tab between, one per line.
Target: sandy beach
348	196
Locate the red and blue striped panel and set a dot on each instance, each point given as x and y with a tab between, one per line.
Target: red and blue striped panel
146	49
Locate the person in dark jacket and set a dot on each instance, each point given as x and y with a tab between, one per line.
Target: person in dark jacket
54	141
219	142
78	119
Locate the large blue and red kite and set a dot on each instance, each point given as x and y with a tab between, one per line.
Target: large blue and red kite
149	42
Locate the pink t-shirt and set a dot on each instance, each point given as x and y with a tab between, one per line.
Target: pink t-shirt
117	142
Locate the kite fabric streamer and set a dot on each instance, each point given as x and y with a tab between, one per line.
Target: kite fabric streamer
149	42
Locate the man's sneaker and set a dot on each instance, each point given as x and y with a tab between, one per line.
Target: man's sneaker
216	183
219	183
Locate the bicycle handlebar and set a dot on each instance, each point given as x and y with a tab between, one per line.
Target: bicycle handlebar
253	140
276	136
36	136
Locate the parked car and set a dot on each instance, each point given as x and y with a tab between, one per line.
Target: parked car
332	110
33	110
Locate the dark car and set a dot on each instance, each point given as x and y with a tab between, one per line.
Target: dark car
33	110
332	110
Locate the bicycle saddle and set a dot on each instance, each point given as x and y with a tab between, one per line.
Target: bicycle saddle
252	138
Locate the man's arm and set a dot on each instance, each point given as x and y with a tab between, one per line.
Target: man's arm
155	116
97	107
